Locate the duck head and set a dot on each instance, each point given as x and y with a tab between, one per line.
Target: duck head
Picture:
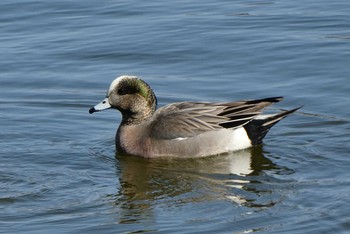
133	97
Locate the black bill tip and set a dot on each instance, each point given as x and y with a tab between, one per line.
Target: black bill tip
92	110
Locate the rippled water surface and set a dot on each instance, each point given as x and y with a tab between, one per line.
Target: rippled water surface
59	170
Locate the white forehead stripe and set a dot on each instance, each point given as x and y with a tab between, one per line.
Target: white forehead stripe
116	81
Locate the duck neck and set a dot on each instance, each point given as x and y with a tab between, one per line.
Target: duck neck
134	118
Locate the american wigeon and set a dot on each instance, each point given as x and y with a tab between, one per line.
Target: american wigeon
184	129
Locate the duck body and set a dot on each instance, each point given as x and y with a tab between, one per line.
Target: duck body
136	140
184	129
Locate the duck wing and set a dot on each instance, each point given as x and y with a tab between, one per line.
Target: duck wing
188	119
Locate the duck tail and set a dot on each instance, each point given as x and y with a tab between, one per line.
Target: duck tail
259	126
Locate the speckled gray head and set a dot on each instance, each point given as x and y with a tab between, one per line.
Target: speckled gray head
133	97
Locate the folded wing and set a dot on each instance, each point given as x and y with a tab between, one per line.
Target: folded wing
188	119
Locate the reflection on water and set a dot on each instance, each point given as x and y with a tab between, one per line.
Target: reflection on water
239	177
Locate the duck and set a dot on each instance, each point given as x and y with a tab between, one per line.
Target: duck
188	129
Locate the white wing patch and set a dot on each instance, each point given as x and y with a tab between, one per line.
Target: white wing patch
181	138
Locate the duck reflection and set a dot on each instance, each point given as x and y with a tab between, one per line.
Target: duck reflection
145	183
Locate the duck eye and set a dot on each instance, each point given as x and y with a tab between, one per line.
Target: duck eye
126	90
122	91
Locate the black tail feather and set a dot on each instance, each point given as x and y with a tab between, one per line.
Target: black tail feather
258	128
270	99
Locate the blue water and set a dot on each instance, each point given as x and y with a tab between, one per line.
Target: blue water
59	172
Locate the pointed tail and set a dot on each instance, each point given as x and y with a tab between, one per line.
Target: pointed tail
259	127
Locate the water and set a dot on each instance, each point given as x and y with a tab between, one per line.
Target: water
59	170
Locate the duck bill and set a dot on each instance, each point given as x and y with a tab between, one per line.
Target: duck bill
104	105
